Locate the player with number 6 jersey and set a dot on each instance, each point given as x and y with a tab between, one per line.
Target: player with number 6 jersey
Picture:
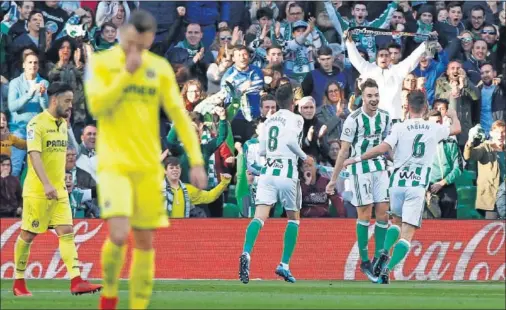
415	143
278	181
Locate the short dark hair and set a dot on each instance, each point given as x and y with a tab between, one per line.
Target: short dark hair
478	8
238	48
143	21
434	113
487	63
265	12
294	5
29	54
196	117
325	51
369	83
267	98
416	101
399	11
453	4
394	45
33	12
439	101
274	46
57	88
358	3
284	96
171	161
108	24
478	40
4	157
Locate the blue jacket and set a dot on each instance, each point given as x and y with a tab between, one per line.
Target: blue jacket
236	78
472	68
22	105
432	73
207	13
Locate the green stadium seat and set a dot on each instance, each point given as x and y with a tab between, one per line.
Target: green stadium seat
78	213
467	195
467	178
231	211
467	211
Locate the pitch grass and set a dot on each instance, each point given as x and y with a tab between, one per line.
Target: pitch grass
54	294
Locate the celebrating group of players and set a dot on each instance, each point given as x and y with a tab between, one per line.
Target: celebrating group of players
125	86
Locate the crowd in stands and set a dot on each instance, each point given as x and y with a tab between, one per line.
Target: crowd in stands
230	57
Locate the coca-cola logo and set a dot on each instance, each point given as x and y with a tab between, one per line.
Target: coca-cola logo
55	268
482	258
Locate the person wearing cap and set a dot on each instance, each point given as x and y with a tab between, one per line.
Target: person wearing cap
326	73
298	54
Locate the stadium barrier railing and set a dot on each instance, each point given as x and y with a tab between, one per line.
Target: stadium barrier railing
210	249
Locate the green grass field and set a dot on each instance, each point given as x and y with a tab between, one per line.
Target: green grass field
54	294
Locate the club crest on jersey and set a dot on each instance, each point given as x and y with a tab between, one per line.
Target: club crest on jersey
347	131
35	224
150	73
30	134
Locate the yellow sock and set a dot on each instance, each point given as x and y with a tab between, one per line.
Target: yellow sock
21	254
112	258
142	272
68	254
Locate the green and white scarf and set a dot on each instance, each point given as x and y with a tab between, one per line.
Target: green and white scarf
424	29
169	194
192	50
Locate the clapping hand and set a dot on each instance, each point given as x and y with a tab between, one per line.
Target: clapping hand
199	55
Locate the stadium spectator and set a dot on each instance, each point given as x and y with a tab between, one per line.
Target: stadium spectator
453	26
248	81
10	190
192	54
208	148
493	97
476	21
116	12
54	17
315	201
66	66
442	15
18	28
268	106
182	197
7	139
193	93
81	199
478	56
70	163
208	14
218	68
275	55
491	166
299	51
313	134
33	35
464	44
462	96
107	38
86	159
326	73
27	98
447	167
334	110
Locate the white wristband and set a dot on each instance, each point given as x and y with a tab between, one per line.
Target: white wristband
358	159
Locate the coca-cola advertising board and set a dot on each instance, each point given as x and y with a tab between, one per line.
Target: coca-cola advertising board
327	249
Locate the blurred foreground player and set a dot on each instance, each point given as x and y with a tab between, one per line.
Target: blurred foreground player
125	86
46	202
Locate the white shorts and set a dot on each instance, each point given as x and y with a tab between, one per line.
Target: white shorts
408	203
271	189
369	188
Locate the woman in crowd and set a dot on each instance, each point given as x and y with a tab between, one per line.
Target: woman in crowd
334	110
66	66
10	190
193	93
217	69
314	131
27	98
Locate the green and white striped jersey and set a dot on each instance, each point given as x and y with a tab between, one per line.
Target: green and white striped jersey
280	143
365	132
414	142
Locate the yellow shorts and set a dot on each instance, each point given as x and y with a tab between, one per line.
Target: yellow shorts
137	196
41	214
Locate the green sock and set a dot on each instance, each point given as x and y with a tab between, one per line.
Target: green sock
251	234
392	236
401	248
380	230
291	233
363	239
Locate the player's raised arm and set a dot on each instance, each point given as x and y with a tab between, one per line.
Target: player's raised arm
103	97
174	107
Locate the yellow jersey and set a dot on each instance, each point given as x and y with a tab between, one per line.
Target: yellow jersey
48	136
126	107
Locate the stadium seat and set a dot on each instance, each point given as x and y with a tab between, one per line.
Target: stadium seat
467	211
231	211
466	194
78	213
466	179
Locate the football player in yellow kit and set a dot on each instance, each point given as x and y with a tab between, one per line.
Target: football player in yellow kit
45	199
125	86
